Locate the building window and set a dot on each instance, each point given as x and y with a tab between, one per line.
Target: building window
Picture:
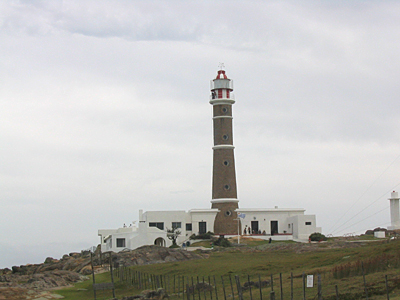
159	225
288	225
308	223
176	225
121	243
188	226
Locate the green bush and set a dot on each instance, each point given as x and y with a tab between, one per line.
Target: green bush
222	242
317	237
203	236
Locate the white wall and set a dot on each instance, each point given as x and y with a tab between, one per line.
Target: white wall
203	215
301	231
265	216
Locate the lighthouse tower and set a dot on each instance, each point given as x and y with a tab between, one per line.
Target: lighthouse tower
394	211
224	194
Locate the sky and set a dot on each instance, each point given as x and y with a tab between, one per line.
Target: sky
104	110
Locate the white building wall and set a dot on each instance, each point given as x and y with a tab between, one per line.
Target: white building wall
303	226
265	216
292	224
202	215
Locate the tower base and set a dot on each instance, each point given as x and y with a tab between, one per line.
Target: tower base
226	220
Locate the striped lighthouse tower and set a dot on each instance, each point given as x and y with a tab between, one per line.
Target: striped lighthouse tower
224	193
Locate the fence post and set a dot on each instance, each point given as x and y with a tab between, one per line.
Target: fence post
223	287
204	290
215	285
387	287
209	282
272	283
291	285
239	288
272	295
259	285
337	292
248	282
193	287
198	287
365	284
183	287
233	294
94	280
187	291
304	286
319	287
280	283
112	276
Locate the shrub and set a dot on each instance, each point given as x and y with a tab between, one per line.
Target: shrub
317	237
203	236
222	242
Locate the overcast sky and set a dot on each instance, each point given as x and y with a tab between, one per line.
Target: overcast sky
104	111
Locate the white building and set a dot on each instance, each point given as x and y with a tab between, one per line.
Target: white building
275	223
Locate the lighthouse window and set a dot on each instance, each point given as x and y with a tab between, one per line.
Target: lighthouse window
308	223
225	137
228	213
224	110
227	187
226	163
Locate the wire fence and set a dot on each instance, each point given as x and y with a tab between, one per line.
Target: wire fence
241	287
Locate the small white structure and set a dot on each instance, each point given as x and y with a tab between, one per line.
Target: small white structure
394	211
275	223
380	234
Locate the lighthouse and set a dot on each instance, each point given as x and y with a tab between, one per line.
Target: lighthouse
394	211
224	193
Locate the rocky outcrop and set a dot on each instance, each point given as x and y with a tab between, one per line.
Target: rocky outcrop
73	267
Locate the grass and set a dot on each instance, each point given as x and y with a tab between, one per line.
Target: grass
278	257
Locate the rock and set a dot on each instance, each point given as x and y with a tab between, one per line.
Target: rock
6	271
49	260
75	254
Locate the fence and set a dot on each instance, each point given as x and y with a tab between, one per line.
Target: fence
238	287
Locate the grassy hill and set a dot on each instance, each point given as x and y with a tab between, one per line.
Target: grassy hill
340	264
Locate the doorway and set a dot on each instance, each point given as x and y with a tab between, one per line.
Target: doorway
202	227
254	227
159	242
274	227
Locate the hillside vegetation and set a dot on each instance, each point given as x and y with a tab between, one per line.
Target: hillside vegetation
340	263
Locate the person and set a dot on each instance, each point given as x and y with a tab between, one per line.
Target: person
270	241
245	230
